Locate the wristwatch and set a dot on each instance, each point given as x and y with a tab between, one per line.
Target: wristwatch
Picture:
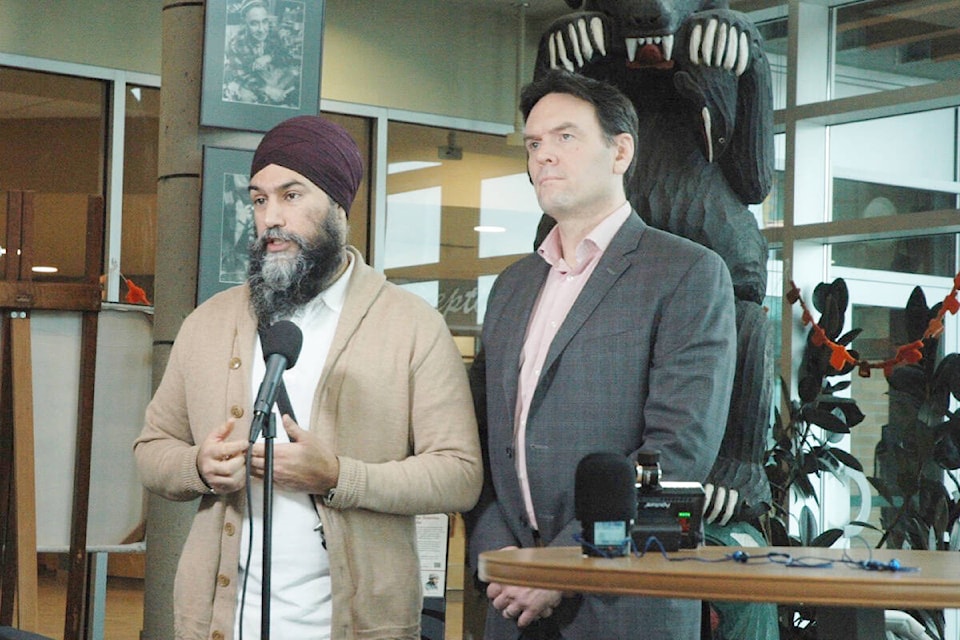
328	498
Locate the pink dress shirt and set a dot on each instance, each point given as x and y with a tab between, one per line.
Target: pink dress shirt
560	290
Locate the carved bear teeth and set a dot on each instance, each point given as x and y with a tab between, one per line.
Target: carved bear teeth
664	43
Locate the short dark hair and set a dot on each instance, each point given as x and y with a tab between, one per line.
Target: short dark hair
615	112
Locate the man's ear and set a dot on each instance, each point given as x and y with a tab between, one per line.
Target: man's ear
626	148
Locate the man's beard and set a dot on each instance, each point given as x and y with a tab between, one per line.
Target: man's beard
282	283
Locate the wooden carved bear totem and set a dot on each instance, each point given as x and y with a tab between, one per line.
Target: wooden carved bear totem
698	75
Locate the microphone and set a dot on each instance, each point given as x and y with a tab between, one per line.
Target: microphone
281	343
605	503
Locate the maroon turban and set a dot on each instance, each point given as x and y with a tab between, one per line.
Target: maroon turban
319	150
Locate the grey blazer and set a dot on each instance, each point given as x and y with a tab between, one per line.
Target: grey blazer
645	358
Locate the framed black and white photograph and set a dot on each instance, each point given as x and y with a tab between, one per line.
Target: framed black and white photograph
226	220
261	62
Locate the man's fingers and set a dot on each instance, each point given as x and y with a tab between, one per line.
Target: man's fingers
292	428
224	430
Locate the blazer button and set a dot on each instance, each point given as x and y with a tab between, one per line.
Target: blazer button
234	363
229	528
223	581
509	451
236	412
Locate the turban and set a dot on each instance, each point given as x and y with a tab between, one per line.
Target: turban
317	149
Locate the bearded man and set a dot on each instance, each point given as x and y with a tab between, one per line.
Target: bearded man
387	426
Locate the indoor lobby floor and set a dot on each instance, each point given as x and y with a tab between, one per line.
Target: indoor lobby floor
123	616
124	608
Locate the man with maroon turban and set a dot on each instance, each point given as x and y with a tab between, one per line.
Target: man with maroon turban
384	425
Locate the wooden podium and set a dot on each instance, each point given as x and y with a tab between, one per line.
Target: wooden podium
853	599
19	295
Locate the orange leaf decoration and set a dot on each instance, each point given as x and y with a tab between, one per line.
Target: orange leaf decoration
951	304
794	294
839	357
910	352
135	294
934	329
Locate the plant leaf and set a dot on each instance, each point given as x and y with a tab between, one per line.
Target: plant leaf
865	525
833	388
852	416
824	419
846	458
946	451
827	538
807	526
917	315
881	486
848	337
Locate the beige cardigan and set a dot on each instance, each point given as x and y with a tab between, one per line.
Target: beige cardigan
394	403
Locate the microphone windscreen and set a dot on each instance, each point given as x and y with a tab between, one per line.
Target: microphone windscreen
605	488
282	338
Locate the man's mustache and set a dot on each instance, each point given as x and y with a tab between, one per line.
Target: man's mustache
275	233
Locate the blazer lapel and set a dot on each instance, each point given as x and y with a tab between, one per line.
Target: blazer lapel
519	308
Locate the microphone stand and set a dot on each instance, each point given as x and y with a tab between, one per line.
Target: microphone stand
269	433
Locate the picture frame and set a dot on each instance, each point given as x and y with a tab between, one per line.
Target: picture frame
261	62
226	220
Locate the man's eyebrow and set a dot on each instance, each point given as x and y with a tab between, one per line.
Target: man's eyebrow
283	187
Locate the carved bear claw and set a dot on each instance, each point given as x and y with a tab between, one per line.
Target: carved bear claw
720	45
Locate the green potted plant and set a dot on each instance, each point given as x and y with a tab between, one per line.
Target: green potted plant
919	443
800	450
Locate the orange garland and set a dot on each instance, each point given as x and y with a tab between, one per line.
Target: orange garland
908	353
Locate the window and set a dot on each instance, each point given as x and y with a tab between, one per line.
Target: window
868	117
459	209
68	132
53	142
139	223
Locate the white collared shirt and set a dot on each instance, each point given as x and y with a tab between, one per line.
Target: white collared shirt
301	603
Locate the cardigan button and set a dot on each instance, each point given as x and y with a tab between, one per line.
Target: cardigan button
236	411
234	363
229	529
223	581
216	635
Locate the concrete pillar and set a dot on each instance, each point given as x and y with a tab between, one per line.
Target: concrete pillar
178	236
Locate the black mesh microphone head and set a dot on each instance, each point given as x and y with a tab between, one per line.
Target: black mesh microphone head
605	488
282	338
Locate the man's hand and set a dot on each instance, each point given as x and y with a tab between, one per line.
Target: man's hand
303	464
524	604
221	462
